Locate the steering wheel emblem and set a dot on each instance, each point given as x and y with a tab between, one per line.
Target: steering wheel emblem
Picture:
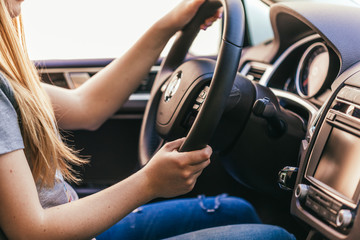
173	86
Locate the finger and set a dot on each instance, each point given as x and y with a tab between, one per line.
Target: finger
209	21
197	156
219	12
201	166
203	27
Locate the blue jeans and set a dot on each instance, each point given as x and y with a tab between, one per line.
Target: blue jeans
175	217
239	231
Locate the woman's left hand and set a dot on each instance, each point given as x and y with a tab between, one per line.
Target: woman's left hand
185	11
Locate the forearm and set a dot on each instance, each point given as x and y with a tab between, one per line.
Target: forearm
94	214
100	97
81	219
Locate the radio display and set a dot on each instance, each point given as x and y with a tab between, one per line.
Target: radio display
339	164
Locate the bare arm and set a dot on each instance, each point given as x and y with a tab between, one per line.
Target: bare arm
168	174
96	100
100	97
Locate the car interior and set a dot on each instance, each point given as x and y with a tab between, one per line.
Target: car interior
282	115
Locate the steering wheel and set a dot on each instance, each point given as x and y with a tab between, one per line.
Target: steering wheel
188	98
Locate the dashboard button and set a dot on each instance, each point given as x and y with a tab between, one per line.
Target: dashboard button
324	213
323	201
332	218
202	94
309	202
312	205
200	100
316	207
336	206
196	107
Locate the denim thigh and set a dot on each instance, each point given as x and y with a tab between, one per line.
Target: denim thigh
240	231
174	217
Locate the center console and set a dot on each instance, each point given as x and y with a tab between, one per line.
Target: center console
327	190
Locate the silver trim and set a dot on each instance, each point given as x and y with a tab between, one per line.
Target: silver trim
312	109
325	188
68	71
139	97
301	64
264	81
76	70
173	86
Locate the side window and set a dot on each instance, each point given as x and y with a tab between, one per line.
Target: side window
258	20
83	29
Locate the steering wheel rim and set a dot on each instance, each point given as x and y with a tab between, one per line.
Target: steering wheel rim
222	81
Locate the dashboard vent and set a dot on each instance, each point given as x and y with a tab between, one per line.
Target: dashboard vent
255	74
57	79
254	70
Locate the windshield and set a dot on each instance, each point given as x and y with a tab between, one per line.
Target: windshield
84	29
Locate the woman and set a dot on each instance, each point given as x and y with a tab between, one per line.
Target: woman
37	203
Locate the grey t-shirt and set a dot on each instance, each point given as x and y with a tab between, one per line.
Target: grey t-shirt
10	135
11	140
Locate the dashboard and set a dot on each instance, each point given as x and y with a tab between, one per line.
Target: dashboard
312	67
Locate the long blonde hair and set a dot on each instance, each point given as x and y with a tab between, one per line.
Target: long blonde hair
44	150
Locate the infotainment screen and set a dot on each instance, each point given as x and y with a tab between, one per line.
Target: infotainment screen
339	164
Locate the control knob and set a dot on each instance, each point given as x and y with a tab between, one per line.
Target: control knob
344	218
301	191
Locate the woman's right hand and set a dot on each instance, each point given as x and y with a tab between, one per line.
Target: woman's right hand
185	11
171	173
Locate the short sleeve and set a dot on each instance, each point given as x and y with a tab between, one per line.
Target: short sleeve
10	134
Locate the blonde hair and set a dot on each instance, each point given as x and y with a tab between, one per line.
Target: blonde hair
44	150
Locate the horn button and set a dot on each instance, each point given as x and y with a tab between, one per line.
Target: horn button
179	98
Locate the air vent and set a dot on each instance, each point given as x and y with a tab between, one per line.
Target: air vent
255	74
146	84
254	71
57	79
